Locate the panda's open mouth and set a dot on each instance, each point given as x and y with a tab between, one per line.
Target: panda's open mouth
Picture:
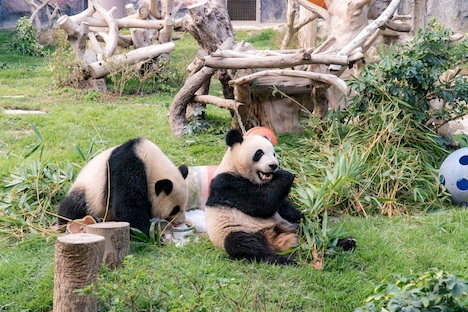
265	176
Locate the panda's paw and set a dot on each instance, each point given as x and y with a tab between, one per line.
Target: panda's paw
297	216
282	260
285	176
347	243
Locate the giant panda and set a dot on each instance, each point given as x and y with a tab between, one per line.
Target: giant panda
248	213
133	182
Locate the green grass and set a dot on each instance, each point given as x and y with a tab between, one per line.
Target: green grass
195	276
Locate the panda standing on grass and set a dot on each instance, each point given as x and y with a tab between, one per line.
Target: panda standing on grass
133	182
248	213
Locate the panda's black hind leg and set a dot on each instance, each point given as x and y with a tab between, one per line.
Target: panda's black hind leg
253	247
72	207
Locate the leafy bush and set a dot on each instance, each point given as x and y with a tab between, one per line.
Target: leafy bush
379	164
411	76
378	156
434	290
65	68
158	75
24	41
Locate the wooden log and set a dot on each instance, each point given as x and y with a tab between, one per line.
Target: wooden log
52	15
143	12
364	34
78	259
117	241
78	18
370	29
243	94
38	9
130	9
214	100
178	108
209	24
126	23
291	17
154	9
33	7
100	69
140	37
326	78
276	61
68	25
167	10
287	85
111	43
307	35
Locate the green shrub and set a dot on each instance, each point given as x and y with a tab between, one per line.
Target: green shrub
378	156
24	40
434	290
410	76
66	69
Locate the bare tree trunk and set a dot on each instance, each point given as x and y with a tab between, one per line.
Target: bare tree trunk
178	110
308	33
209	24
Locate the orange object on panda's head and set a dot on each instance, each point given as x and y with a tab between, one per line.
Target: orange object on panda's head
263	131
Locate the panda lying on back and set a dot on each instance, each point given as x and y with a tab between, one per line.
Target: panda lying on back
248	213
133	182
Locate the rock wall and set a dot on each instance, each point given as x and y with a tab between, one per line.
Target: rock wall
272	11
452	13
12	10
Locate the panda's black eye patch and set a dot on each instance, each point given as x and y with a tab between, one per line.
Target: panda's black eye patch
258	155
175	211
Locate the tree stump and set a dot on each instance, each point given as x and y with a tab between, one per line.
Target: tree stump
78	259
117	241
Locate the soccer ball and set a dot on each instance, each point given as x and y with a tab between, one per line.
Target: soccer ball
453	174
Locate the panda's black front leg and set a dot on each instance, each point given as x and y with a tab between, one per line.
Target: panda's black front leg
290	212
253	247
281	183
132	210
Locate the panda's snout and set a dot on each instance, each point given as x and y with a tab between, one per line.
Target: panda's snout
274	167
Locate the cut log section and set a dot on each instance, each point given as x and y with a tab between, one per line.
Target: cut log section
117	241
78	258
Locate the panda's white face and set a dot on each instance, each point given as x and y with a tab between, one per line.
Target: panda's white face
255	159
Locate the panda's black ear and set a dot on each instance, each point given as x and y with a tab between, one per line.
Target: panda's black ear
233	136
163	185
184	170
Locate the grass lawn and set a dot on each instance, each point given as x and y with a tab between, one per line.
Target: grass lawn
194	276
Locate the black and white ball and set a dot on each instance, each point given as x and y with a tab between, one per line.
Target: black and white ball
453	174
